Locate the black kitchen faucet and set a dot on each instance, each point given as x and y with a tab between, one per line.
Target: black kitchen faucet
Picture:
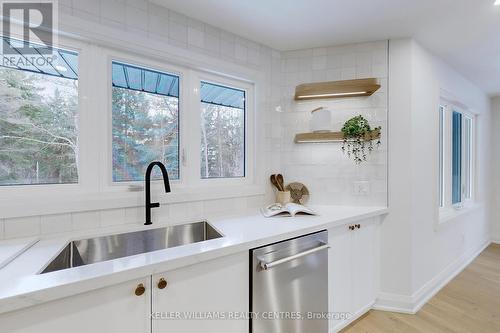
166	182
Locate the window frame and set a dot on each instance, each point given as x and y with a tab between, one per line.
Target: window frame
145	63
445	157
196	78
189	118
95	190
37	190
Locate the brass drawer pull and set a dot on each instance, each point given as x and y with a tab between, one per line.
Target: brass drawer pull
162	283
139	291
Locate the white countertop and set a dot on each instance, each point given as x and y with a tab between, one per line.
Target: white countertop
22	286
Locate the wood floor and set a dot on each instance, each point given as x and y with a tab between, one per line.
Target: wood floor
469	303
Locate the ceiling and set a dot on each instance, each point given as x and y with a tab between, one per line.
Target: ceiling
465	33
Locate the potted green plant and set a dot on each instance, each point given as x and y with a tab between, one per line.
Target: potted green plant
358	138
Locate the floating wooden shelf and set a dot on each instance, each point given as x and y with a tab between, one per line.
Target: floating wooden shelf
336	89
329	137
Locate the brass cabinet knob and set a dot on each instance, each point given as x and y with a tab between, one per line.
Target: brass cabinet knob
140	289
162	283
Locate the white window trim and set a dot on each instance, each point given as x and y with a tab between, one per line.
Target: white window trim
8	192
449	212
95	190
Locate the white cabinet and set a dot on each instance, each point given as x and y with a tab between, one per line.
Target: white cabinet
353	270
112	309
215	287
207	291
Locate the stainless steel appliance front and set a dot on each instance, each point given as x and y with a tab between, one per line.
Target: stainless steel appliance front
290	286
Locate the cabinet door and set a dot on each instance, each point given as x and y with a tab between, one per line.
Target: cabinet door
340	277
110	309
364	266
214	288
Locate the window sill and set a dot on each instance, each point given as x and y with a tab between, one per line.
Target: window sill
447	215
57	204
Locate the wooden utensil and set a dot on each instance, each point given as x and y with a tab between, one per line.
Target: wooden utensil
274	181
281	181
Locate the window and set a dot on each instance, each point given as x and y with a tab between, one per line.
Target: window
222	131
456	156
468	157
38	114
145	121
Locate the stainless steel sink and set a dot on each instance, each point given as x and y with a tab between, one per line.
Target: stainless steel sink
92	250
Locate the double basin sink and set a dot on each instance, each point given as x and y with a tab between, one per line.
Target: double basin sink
92	250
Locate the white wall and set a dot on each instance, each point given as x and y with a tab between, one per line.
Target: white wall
143	29
427	252
495	156
328	173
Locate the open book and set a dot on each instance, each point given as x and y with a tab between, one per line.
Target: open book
289	209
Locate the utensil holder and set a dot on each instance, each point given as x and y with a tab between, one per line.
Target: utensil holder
283	197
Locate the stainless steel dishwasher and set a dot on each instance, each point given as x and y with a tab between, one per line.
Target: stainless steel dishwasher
289	286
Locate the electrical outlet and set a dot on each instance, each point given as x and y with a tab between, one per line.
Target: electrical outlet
361	188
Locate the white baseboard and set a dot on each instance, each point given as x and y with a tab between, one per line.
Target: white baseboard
495	240
355	316
411	304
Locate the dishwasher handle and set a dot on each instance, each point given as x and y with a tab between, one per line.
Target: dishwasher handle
267	265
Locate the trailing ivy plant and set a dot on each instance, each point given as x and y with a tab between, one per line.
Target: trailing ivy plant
358	138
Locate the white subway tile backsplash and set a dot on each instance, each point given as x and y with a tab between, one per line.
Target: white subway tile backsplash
2	229
327	172
85	15
158	25
112	217
113	10
256	202
240	51
196	37
21	227
319	51
224	206
66	3
85	220
137	19
139	4
186	211
89	6
319	62
348	73
178	17
212	43
322	168
254	56
178	32
161	215
56	223
227	45
134	215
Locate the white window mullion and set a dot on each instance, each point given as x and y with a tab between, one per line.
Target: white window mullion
448	145
92	119
192	128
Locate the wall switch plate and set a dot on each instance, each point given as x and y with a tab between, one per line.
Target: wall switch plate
361	187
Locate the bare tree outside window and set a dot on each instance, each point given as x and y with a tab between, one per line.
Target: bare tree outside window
38	128
145	117
222	132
